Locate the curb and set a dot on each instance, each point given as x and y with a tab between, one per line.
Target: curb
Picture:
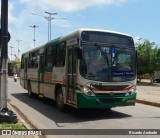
157	104
21	119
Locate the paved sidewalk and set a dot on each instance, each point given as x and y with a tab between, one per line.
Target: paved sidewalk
148	93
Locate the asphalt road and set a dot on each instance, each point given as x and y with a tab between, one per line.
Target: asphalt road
44	115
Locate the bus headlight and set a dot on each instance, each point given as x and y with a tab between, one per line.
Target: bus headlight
87	91
131	91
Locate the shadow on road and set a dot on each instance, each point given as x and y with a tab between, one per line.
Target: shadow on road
48	109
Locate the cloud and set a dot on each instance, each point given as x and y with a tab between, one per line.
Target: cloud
11	18
20	19
71	5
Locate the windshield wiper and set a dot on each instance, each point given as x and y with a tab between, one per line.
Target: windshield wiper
104	55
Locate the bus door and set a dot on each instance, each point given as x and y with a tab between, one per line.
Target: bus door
71	75
25	73
41	74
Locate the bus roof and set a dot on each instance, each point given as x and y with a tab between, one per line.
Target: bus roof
75	34
101	30
79	31
39	47
34	49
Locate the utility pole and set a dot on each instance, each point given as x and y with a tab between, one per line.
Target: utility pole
34	27
49	19
4	53
11	51
5	114
18	47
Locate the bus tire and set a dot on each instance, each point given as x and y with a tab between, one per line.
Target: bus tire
59	100
30	93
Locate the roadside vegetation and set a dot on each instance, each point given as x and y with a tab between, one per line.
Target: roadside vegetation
14	66
11	126
148	59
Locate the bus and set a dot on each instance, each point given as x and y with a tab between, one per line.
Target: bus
88	68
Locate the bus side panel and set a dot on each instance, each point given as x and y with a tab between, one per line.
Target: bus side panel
22	79
46	86
33	78
58	77
48	90
51	79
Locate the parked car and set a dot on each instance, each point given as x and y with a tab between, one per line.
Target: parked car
157	76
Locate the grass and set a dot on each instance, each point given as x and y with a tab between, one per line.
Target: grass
11	126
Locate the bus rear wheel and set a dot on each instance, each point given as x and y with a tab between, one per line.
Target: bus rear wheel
60	101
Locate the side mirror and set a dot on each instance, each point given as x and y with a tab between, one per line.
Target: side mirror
78	52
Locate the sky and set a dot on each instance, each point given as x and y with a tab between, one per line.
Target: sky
139	18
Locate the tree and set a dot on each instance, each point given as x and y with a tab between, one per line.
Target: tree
144	57
16	64
148	57
157	60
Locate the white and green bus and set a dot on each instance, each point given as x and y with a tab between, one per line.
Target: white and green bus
88	68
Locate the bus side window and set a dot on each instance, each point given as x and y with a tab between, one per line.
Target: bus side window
42	64
54	55
22	63
30	61
60	55
49	57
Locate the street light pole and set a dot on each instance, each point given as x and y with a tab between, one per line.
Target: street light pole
4	54
139	39
34	27
49	18
18	47
5	114
11	51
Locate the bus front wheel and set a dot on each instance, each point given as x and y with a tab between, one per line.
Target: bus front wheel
59	100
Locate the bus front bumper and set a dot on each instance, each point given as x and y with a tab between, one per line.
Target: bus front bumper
84	101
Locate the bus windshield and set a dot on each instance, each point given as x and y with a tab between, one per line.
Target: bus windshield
107	63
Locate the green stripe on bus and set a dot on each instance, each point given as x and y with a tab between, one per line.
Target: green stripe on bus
63	85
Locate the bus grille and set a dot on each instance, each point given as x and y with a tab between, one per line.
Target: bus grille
111	101
109	95
111	87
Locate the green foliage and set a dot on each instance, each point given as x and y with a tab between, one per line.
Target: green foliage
11	126
148	57
157	64
16	64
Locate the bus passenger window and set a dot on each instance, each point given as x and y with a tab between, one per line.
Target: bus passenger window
30	61
60	57
49	57
22	63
